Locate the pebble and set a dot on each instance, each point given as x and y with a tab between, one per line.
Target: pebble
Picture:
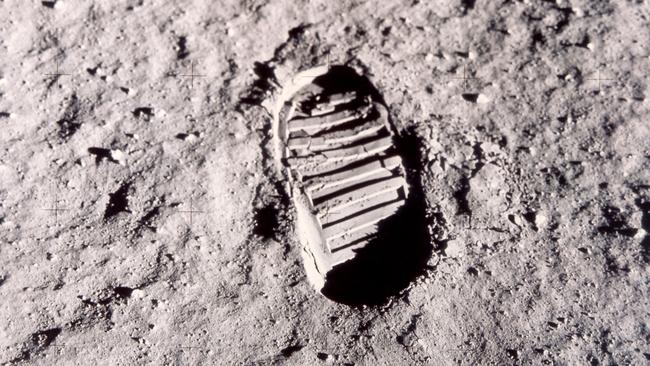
119	156
541	220
454	248
482	99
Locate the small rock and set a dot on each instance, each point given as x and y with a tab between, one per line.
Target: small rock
482	99
454	248
325	357
540	220
189	137
579	13
513	354
640	233
516	219
119	156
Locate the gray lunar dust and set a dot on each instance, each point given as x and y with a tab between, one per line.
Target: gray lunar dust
142	221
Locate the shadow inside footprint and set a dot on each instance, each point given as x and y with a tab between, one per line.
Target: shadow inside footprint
396	257
386	265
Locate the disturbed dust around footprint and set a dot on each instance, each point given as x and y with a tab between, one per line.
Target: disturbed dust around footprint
152	214
362	232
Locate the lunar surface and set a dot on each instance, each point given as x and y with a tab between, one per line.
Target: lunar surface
145	219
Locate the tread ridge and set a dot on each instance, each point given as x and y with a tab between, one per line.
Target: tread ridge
339	150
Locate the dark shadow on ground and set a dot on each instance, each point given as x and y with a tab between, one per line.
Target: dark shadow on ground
399	254
386	265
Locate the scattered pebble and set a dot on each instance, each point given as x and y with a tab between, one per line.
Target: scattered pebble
52	4
482	99
455	248
579	13
189	137
119	156
541	220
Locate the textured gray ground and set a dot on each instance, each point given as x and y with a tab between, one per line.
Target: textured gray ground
537	183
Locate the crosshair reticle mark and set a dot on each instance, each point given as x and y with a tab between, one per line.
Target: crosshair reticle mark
56	209
599	79
465	78
191	212
57	74
192	75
